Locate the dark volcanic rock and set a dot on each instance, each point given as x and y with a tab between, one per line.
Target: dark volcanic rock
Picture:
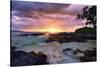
67	37
67	49
72	37
22	58
89	55
77	51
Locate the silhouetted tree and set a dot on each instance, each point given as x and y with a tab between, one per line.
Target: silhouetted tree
88	13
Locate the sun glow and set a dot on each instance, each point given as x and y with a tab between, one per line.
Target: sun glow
51	30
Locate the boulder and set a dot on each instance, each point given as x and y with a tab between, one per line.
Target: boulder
22	58
89	55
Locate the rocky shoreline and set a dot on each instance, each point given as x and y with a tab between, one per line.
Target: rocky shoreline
84	56
70	37
22	58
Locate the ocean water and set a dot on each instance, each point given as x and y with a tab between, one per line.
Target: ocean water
53	50
21	41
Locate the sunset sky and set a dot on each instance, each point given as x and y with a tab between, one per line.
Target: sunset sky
45	17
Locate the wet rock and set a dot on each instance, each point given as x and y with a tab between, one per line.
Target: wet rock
80	40
42	58
67	49
22	58
89	55
77	51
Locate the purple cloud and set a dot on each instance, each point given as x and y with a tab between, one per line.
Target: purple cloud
36	15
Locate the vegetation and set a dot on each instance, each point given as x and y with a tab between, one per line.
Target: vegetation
86	30
88	13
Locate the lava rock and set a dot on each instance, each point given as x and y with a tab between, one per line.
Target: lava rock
77	51
89	55
22	58
67	49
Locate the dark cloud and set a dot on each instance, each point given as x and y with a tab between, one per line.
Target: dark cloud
36	6
38	15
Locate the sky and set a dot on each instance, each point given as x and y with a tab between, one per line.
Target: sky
45	17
